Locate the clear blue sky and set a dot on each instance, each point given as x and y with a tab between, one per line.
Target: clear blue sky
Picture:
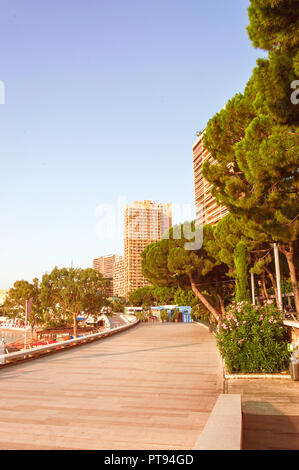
103	99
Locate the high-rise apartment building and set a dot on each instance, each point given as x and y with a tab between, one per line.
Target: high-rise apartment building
106	266
119	278
145	222
206	207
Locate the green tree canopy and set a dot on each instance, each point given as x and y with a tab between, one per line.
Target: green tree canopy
225	236
228	232
165	295
273	24
15	302
144	296
254	140
168	261
65	293
183	298
118	304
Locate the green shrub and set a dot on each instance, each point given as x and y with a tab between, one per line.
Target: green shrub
164	315
142	316
253	339
174	315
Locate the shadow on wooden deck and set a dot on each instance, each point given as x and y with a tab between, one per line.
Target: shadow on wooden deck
272	431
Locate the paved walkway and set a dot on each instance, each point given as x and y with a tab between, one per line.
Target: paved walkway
115	320
270	413
151	387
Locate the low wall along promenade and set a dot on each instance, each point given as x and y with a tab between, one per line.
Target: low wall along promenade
56	346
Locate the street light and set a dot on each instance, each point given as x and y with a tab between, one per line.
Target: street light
277	270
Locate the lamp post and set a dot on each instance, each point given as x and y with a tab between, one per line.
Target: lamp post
277	270
252	289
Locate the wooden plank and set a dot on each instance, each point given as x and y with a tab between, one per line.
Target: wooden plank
270	413
151	387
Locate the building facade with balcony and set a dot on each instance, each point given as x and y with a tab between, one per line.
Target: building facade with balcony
119	278
145	222
106	266
206	208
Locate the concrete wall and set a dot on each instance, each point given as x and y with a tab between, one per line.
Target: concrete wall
223	430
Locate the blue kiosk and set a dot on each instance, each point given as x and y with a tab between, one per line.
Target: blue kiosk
185	316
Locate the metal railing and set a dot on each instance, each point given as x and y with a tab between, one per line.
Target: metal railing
42	350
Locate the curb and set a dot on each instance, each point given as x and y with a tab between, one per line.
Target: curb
237	376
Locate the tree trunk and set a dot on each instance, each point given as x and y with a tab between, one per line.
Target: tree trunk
272	279
205	302
75	325
290	260
265	293
241	265
221	303
289	254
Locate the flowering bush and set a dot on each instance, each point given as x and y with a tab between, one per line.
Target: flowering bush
253	338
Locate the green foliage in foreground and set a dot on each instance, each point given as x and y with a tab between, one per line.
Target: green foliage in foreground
253	339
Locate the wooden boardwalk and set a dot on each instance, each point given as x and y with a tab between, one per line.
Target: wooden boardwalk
270	413
151	387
